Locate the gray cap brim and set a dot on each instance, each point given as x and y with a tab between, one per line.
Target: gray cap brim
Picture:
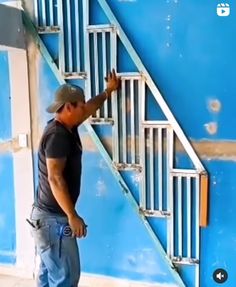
53	108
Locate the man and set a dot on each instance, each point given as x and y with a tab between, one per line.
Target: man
54	220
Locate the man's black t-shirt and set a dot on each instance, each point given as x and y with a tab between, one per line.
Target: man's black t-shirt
58	142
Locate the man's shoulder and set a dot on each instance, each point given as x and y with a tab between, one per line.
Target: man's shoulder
54	131
54	127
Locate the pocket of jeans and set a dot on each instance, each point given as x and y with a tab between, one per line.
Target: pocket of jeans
41	237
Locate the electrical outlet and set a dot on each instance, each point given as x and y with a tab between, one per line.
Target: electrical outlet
23	140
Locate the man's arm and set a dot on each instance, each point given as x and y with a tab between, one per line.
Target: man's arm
92	105
59	189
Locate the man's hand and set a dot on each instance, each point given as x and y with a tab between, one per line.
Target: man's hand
95	103
113	82
78	226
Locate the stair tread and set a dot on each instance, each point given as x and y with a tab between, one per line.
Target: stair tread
48	29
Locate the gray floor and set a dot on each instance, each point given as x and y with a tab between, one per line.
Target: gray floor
9	281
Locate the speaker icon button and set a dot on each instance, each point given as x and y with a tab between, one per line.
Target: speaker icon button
220	275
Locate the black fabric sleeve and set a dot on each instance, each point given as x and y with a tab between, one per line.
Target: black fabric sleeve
57	145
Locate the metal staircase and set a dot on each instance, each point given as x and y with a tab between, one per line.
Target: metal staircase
149	147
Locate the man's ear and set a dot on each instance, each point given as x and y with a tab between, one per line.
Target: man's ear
68	107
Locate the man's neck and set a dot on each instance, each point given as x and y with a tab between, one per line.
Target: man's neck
62	121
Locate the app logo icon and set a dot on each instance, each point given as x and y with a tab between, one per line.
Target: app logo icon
220	275
223	9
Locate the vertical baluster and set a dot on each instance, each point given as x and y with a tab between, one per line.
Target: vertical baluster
51	14
116	140
144	169
61	37
180	219
104	64
142	106
114	102
137	121
36	13
96	71
87	59
197	231
151	168
114	106
77	36
189	217
142	144
55	12
124	115
170	191
69	37
132	122
160	169
43	6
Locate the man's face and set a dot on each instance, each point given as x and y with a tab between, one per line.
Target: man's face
77	113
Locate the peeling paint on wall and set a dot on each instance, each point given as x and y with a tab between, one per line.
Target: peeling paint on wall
222	150
214	106
137	178
87	143
103	164
100	187
10	146
211	128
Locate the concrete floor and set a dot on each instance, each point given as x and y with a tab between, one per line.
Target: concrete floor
86	281
9	281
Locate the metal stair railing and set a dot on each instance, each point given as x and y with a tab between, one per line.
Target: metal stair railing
183	227
63	17
126	125
100	38
127	154
153	193
46	17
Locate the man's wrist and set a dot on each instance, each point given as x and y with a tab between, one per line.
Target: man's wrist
107	93
72	214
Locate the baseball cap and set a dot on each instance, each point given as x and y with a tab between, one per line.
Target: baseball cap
66	93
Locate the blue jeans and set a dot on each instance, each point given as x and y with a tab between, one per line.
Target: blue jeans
59	255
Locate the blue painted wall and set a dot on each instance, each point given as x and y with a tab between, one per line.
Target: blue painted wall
189	52
7	203
117	244
218	240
